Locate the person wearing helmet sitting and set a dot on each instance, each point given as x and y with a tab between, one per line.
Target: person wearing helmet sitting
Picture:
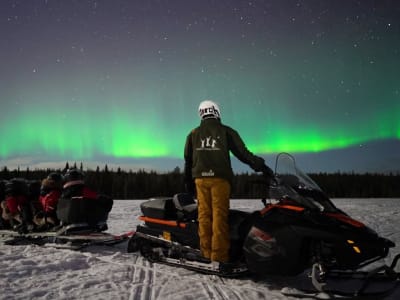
15	209
74	185
50	193
208	173
81	204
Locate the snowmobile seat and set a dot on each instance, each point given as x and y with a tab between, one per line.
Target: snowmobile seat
159	208
186	207
83	210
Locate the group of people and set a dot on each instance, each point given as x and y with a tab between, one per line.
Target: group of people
32	205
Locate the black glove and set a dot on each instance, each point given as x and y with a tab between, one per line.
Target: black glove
269	175
267	172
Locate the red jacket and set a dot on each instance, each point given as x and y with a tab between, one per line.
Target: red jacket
78	188
88	193
49	201
14	203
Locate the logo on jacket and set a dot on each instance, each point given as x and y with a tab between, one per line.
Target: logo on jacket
208	174
208	143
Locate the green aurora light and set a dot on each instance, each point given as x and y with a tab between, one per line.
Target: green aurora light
80	134
124	80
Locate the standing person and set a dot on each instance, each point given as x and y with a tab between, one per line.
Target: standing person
207	163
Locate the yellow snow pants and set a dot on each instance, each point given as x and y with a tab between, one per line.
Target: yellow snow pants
213	210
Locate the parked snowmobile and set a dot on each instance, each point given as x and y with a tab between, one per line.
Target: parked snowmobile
83	222
298	229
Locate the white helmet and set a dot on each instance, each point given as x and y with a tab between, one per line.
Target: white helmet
209	109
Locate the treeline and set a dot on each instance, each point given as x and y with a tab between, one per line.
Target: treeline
369	185
143	184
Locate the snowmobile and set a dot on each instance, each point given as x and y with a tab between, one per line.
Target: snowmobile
297	230
83	222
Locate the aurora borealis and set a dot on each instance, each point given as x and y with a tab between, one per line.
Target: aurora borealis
119	82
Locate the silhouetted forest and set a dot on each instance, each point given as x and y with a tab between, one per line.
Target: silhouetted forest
142	184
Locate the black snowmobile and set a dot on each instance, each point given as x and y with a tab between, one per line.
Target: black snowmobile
83	222
298	230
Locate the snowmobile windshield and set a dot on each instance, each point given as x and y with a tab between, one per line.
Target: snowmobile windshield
294	184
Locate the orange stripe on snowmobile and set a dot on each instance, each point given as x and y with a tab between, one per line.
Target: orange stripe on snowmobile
162	222
345	219
290	207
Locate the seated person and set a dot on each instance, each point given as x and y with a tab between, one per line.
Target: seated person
50	192
74	185
15	209
81	205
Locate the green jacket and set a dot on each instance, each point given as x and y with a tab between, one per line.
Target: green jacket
207	151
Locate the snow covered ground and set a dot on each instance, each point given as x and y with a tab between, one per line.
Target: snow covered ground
101	272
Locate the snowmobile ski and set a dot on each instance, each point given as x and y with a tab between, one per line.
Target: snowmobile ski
336	294
374	284
299	293
161	250
64	238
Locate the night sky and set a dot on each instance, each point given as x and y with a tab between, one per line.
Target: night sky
119	82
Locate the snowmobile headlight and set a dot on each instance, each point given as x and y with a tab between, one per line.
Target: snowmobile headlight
354	246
